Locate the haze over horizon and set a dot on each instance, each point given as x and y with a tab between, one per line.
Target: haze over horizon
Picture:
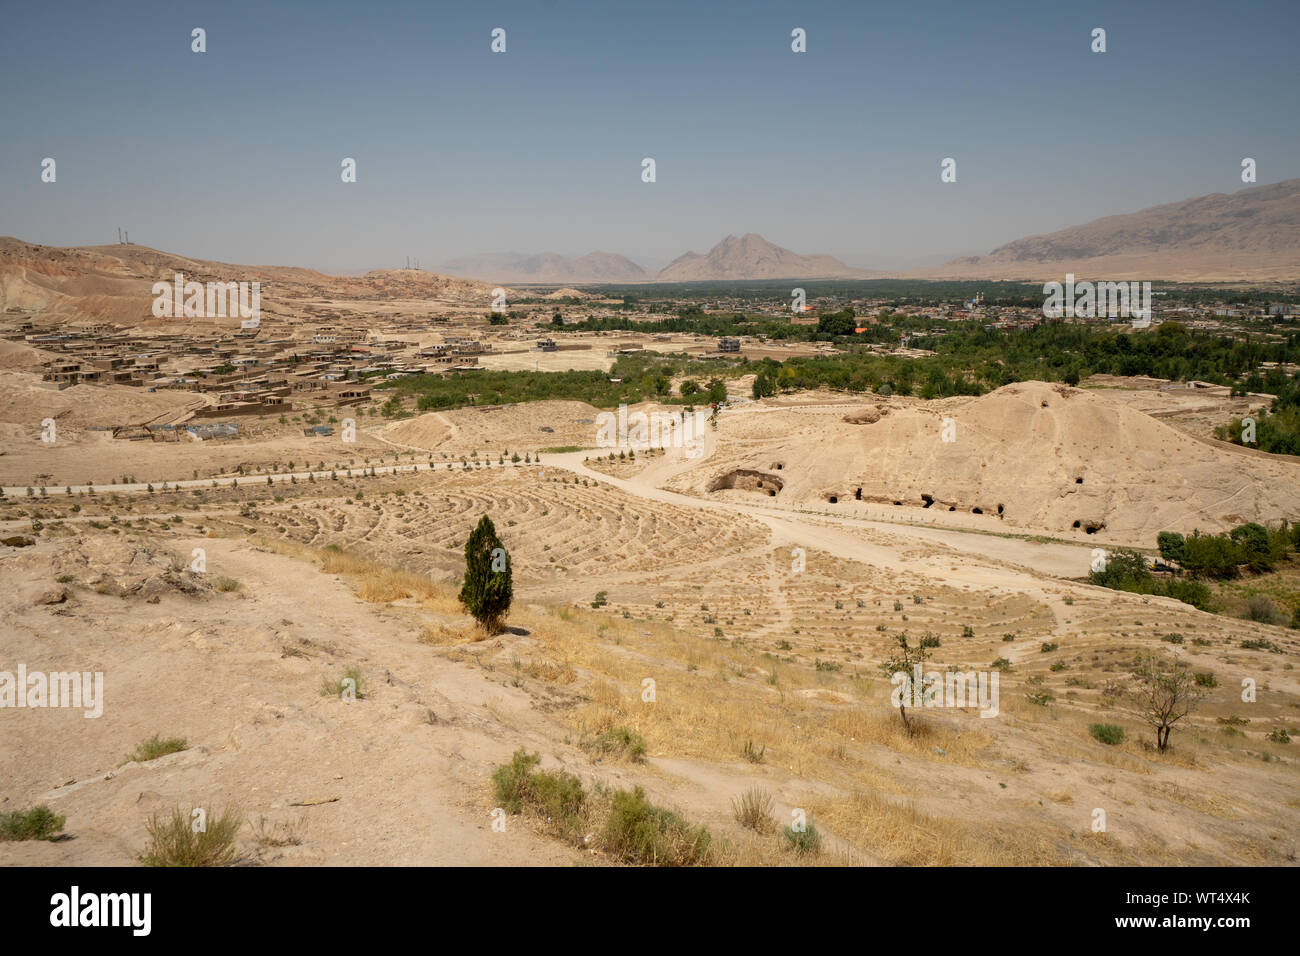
234	154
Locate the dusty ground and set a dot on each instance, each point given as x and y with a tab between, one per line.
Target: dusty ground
706	597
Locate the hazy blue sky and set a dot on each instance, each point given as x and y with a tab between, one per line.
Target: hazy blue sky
234	154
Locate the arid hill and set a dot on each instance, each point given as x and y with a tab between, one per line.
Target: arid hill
1250	234
1028	455
93	284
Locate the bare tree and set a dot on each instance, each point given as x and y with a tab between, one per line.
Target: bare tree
1166	693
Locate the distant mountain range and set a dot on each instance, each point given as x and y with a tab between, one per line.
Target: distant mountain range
547	267
749	257
1252	234
752	257
1249	235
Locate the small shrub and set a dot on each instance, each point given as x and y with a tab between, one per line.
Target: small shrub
1112	734
1206	679
227	584
806	841
620	741
1262	644
173	842
637	831
557	798
156	747
753	810
38	823
335	688
1261	608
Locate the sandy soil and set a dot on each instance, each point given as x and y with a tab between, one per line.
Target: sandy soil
705	596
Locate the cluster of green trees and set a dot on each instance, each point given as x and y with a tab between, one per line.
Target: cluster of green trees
1127	570
639	378
1199	557
715	392
1276	431
843	322
971	359
1250	545
1063	351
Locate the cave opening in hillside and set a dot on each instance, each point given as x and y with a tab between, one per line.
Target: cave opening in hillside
1078	481
746	480
858	494
928	499
999	510
977	511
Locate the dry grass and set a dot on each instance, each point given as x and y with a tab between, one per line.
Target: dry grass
903	835
173	841
280	833
753	810
379	584
833	726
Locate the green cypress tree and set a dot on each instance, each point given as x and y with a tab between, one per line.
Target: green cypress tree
487	590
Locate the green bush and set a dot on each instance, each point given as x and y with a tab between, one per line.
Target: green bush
156	747
622	742
557	798
38	823
1111	734
637	831
806	841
